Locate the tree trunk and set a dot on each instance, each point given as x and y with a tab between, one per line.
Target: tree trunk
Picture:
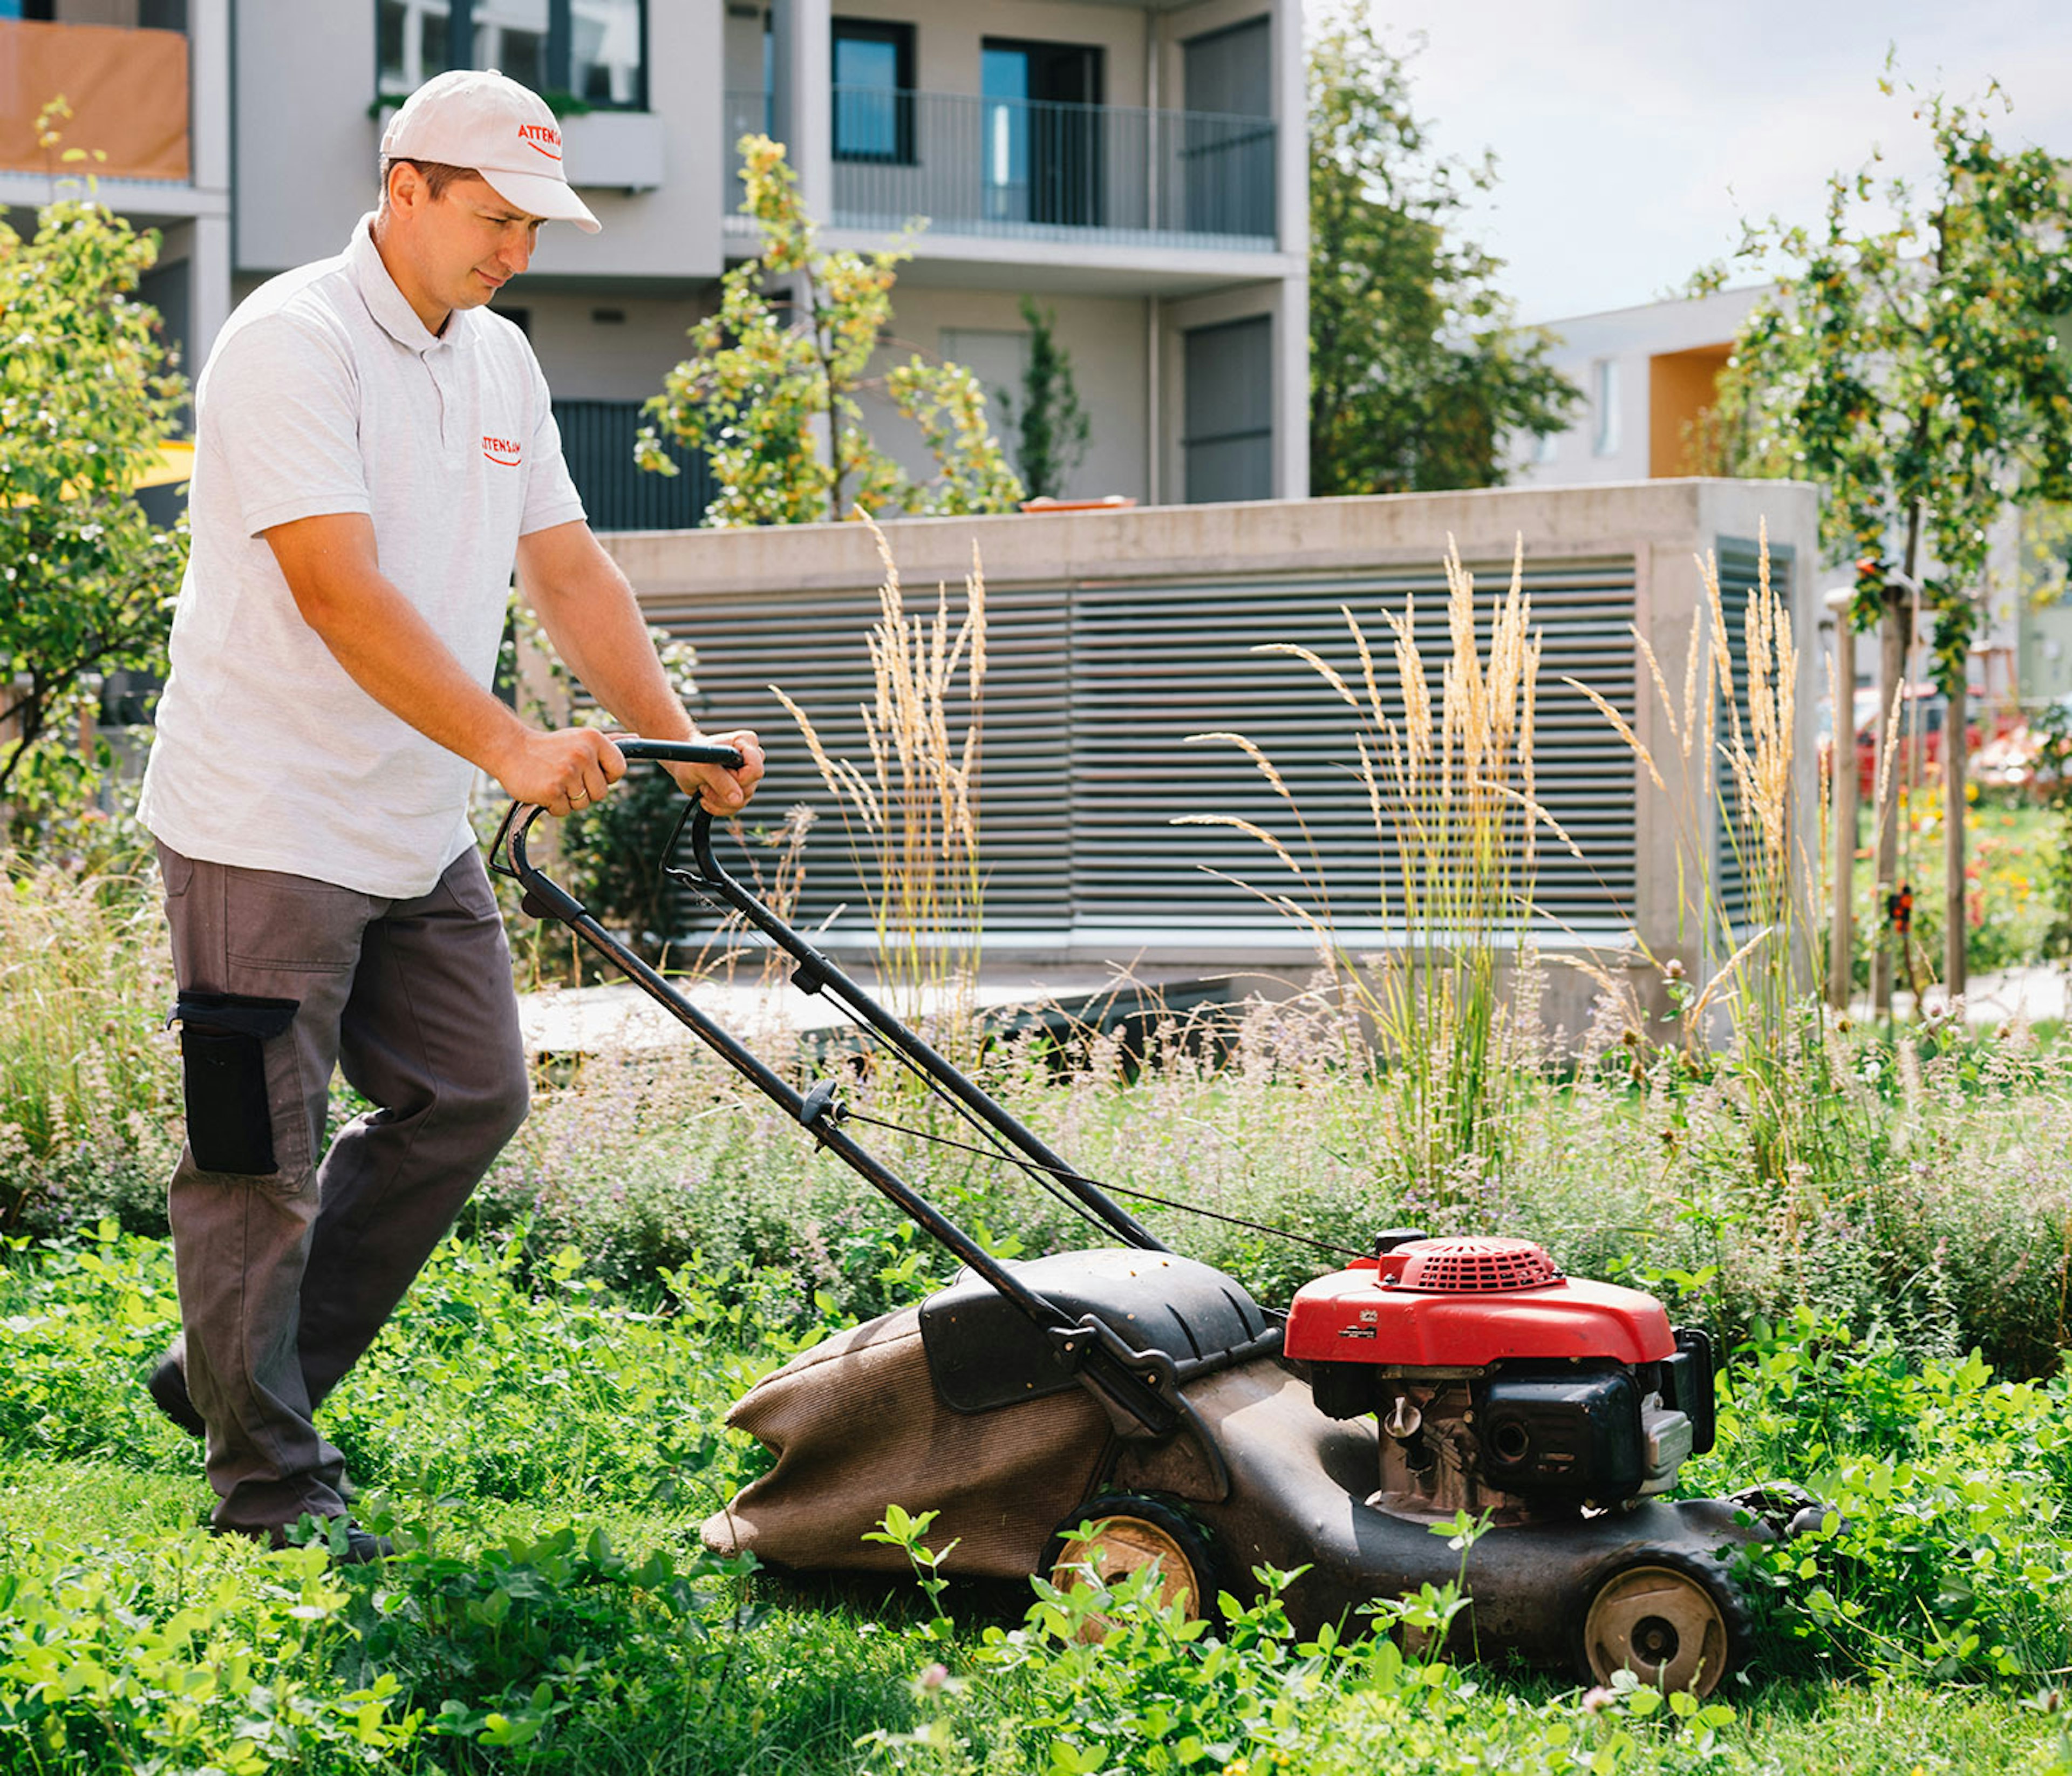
1842	790
1891	755
1956	928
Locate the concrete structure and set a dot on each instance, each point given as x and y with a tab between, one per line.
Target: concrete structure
1137	165
1112	637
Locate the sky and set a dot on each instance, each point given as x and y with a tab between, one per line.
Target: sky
1631	138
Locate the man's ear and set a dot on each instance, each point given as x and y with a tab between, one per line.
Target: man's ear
406	188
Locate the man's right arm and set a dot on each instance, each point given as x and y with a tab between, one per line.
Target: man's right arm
390	652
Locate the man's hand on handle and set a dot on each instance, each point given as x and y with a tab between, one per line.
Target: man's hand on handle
562	769
724	791
566	769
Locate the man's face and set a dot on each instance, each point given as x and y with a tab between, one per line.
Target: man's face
465	245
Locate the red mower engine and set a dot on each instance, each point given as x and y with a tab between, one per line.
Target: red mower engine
1500	1384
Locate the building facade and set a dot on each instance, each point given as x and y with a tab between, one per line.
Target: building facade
1139	169
1650	376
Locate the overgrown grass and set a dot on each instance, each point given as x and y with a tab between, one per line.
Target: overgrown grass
89	1081
552	1611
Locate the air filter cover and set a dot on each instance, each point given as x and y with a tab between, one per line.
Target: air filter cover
1475	1266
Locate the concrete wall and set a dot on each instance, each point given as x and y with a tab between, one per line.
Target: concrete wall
588	355
1042	568
1105	336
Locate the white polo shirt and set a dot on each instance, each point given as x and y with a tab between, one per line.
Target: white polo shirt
325	393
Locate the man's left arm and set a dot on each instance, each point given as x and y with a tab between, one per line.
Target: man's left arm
593	620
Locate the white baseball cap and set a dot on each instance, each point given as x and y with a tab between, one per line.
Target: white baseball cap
483	120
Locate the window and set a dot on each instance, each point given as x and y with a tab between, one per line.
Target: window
1229	440
999	360
1605	397
1041	142
873	70
595	51
1546	447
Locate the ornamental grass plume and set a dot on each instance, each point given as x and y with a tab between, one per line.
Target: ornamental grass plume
1749	893
912	818
1449	786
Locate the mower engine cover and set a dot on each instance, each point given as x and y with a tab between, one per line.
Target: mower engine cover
1466	1303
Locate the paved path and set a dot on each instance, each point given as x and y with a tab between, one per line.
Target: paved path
620	1018
2031	994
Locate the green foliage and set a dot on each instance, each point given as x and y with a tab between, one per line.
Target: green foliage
1417	373
86	398
1051	434
1945	1554
550	1608
771	390
1917	368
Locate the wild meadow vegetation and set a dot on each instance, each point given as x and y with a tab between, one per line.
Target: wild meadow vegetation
1876	1223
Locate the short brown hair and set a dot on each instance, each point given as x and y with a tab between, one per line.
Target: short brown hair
436	173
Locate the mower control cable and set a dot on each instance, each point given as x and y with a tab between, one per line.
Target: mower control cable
1037	1171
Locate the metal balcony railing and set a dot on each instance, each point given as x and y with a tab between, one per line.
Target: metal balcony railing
1037	170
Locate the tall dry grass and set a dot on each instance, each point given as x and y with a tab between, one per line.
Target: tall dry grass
911	817
1449	788
1757	962
89	1081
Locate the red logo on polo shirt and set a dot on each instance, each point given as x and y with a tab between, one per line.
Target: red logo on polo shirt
501	451
542	136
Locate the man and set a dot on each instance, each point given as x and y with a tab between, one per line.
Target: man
374	451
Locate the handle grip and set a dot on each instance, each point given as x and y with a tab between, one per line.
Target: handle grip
677	752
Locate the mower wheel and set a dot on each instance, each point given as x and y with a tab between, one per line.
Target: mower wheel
1129	1531
1674	1619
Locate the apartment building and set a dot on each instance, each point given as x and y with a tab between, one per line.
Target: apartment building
1648	375
1138	168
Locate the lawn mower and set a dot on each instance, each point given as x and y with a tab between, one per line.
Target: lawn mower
1131	1388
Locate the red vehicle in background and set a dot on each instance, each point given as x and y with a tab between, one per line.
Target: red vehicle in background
1926	713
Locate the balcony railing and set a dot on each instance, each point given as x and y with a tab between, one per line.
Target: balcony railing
1037	170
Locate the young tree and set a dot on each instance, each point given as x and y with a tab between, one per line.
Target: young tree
771	391
1417	373
87	396
1918	368
1051	434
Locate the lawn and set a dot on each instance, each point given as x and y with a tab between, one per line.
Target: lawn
544	1445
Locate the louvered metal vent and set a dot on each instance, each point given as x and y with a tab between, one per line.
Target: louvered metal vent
1092	692
1740	565
1477	1266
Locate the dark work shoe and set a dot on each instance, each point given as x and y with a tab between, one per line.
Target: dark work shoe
350	1545
168	1388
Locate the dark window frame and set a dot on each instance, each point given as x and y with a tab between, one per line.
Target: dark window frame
900	35
560	51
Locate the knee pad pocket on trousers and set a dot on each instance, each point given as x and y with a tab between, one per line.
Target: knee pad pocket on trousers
223	1060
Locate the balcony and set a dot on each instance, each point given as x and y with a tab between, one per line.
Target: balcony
128	90
1035	170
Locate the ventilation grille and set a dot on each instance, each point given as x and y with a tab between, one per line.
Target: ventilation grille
1477	1266
1093	689
1739	564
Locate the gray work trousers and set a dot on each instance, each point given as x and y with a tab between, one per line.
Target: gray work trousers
286	1274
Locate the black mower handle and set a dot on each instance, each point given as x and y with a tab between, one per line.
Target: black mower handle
677	752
